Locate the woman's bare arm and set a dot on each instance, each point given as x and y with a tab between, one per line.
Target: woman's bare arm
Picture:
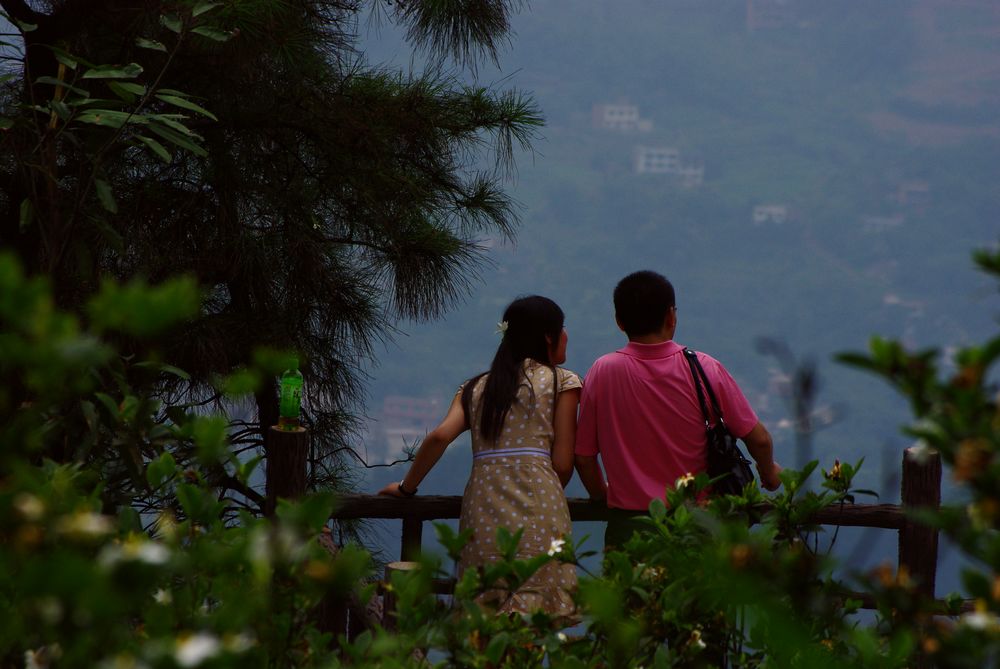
564	425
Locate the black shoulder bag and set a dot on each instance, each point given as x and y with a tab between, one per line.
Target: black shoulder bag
726	461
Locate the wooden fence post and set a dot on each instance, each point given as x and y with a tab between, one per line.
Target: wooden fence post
413	530
918	544
287	455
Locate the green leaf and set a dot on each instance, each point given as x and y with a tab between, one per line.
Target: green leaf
61	109
109	404
210	437
173	121
144	43
27	214
105	195
160	469
199	505
141	310
171	22
25	26
311	512
203	7
177	138
129	520
6	123
111	235
241	382
186	104
162	367
155	147
497	647
130	71
66	59
213	34
110	118
126	90
52	81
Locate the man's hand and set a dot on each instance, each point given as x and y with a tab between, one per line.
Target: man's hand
769	478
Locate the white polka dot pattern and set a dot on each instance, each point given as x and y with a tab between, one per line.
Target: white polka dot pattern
521	491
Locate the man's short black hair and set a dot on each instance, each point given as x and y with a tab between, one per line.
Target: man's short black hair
642	300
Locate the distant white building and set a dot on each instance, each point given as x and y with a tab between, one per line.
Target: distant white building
876	224
770	213
691	176
914	194
763	14
621	117
404	422
657	160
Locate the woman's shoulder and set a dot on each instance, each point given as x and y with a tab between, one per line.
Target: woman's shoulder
568	380
541	373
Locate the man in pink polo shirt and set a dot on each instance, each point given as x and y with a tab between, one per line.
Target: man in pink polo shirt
640	411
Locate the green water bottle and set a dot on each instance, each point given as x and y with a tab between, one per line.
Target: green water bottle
290	402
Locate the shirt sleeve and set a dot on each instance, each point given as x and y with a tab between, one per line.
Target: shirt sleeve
586	426
568	380
736	410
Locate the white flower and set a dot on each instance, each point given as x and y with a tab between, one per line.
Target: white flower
501	328
162	596
556	546
696	640
41	658
194	649
238	643
684	481
562	637
50	609
134	550
981	620
920	452
85	525
122	661
29	506
35	659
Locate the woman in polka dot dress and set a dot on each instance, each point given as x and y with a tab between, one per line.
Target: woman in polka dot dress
522	414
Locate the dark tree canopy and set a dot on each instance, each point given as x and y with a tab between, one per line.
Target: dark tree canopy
315	197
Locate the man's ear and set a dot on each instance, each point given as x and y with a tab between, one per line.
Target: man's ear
670	320
619	323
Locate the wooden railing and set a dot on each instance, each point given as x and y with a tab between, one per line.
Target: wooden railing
918	544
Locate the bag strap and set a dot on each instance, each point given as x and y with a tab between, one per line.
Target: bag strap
698	371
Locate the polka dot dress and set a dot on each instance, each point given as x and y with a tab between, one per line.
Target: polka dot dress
513	485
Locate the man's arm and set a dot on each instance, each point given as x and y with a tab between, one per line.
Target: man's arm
592	477
761	448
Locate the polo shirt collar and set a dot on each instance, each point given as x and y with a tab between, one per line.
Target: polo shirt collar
651	351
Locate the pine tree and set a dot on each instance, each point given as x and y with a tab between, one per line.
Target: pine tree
316	198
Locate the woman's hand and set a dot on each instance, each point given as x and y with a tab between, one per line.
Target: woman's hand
391	490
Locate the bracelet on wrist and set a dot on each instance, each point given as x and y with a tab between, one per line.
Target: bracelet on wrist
404	492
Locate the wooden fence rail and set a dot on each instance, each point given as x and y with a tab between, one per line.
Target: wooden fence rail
918	544
921	487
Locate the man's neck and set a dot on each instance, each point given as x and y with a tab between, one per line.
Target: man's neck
654	338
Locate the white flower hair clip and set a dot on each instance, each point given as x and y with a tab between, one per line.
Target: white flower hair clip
501	329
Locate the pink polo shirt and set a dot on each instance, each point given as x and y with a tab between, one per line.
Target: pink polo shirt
639	410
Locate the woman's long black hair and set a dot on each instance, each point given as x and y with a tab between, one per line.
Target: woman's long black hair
533	324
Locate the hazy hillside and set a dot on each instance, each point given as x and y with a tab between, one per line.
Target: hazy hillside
873	126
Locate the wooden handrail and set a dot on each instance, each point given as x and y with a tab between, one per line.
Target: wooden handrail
440	507
921	488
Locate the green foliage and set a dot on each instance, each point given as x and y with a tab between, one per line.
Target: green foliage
707	581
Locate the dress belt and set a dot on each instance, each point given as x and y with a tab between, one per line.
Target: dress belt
504	452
